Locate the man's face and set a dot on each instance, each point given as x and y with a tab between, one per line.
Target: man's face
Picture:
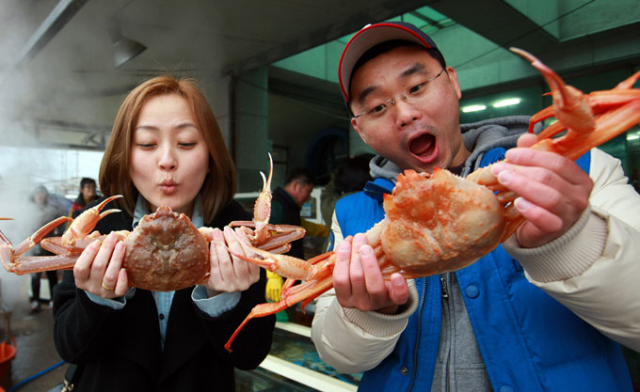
88	191
421	134
302	192
40	197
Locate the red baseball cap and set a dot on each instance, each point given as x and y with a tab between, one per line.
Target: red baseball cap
370	36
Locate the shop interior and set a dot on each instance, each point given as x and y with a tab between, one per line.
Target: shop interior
269	71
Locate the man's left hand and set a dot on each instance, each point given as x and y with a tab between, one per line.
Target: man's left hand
553	191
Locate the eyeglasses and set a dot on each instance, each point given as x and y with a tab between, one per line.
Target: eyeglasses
413	96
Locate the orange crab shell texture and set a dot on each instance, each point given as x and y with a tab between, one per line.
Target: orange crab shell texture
166	252
440	222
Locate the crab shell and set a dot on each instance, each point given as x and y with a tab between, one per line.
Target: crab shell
439	223
166	252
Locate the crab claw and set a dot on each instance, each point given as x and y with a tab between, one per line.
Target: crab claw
262	207
571	106
85	222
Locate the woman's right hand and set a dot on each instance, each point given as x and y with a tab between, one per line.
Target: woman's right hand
99	269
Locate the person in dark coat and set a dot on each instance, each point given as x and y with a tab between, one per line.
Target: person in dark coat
287	202
87	195
165	150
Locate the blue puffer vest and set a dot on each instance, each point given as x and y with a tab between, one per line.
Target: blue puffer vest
528	340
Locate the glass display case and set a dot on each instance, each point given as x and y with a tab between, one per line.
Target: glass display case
293	363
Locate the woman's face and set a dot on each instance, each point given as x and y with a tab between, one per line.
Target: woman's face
88	191
169	157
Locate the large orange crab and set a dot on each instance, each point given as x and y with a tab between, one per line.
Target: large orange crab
165	252
440	222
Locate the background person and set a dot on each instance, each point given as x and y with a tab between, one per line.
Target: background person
287	202
165	150
87	195
47	212
286	205
540	317
350	176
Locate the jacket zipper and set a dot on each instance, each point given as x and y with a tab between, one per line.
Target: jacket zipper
418	328
444	286
446	312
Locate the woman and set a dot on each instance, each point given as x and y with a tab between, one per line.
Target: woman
165	149
87	195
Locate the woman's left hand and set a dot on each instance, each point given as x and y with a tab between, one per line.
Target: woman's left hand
229	273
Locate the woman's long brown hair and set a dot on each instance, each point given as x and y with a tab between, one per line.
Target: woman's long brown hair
220	183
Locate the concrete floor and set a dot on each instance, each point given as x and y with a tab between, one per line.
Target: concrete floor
35	352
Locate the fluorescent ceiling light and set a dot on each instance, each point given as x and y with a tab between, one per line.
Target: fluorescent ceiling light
507	102
473	108
633	137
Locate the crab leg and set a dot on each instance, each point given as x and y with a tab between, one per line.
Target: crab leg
278	237
85	222
307	292
600	101
31	264
10	256
616	111
287	266
262	208
571	105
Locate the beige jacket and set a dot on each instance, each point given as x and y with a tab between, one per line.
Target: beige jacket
593	269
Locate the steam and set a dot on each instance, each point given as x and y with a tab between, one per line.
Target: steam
24	162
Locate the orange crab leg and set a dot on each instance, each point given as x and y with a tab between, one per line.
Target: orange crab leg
287	266
39	235
278	236
31	264
85	222
571	105
600	101
306	292
262	208
609	125
615	112
9	256
629	82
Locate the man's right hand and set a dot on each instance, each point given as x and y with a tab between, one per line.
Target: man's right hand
358	281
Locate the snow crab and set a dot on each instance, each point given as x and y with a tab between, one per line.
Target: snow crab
440	222
164	252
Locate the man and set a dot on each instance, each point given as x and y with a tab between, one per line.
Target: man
497	324
287	202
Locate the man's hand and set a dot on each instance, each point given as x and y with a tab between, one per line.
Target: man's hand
553	191
358	280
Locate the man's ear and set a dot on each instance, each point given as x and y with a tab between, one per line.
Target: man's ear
295	186
354	124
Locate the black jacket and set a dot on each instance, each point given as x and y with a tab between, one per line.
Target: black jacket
120	350
285	211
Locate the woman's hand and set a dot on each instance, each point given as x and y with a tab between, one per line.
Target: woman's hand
229	273
99	269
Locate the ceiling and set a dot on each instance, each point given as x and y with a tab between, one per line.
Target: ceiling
59	86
